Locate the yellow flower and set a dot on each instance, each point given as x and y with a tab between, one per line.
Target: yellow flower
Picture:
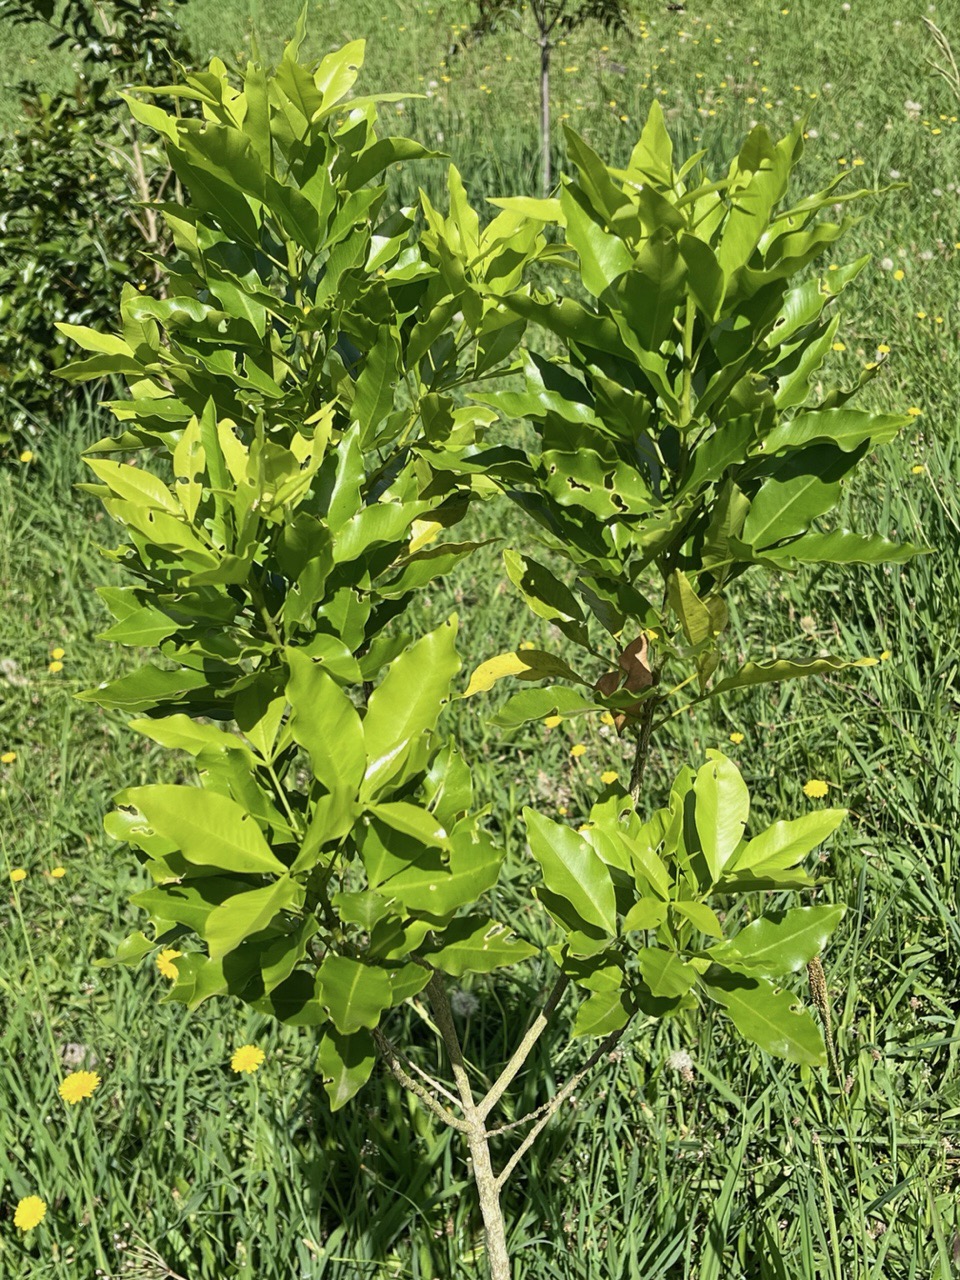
54	667
552	721
562	810
8	757
77	1086
606	718
839	346
58	872
578	750
165	963
247	1058
27	455
914	412
816	789
525	644
898	274
883	349
18	875
858	161
608	776
886	655
921	315
57	654
31	1211
736	738
918	470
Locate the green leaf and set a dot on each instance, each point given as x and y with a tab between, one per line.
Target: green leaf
145	688
245	914
477	944
354	994
784	843
546	595
779	943
374	394
208	829
603	257
840	546
410	820
752	673
700	916
407	702
805	486
326	724
345	1063
535	704
846	428
665	972
693	613
527	664
768	1017
181	733
601	1013
722	809
573	870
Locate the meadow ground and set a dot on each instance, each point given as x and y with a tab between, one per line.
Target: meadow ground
177	1166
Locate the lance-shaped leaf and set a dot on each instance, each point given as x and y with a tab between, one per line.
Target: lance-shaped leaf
779	943
722	809
573	870
354	994
345	1063
535	704
846	428
527	664
209	829
326	724
752	673
784	843
768	1017
408	701
477	944
841	546
245	914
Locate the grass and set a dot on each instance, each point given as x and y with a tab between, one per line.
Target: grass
751	1170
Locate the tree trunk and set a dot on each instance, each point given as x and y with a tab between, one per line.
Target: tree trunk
546	175
498	1260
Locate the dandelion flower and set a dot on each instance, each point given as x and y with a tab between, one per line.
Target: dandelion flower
899	274
886	655
815	789
607	718
30	1212
839	346
914	412
608	776
57	653
58	872
8	757
736	738
918	470
552	721
883	349
525	644
18	875
27	455
578	750
247	1058
165	963
77	1086
54	667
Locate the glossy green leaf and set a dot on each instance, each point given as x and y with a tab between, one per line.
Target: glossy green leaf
752	673
408	701
784	843
722	809
326	724
665	972
245	914
840	546
781	943
354	994
345	1064
208	829
573	870
477	944
768	1017
535	704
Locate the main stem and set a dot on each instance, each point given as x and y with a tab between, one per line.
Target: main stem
488	1189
